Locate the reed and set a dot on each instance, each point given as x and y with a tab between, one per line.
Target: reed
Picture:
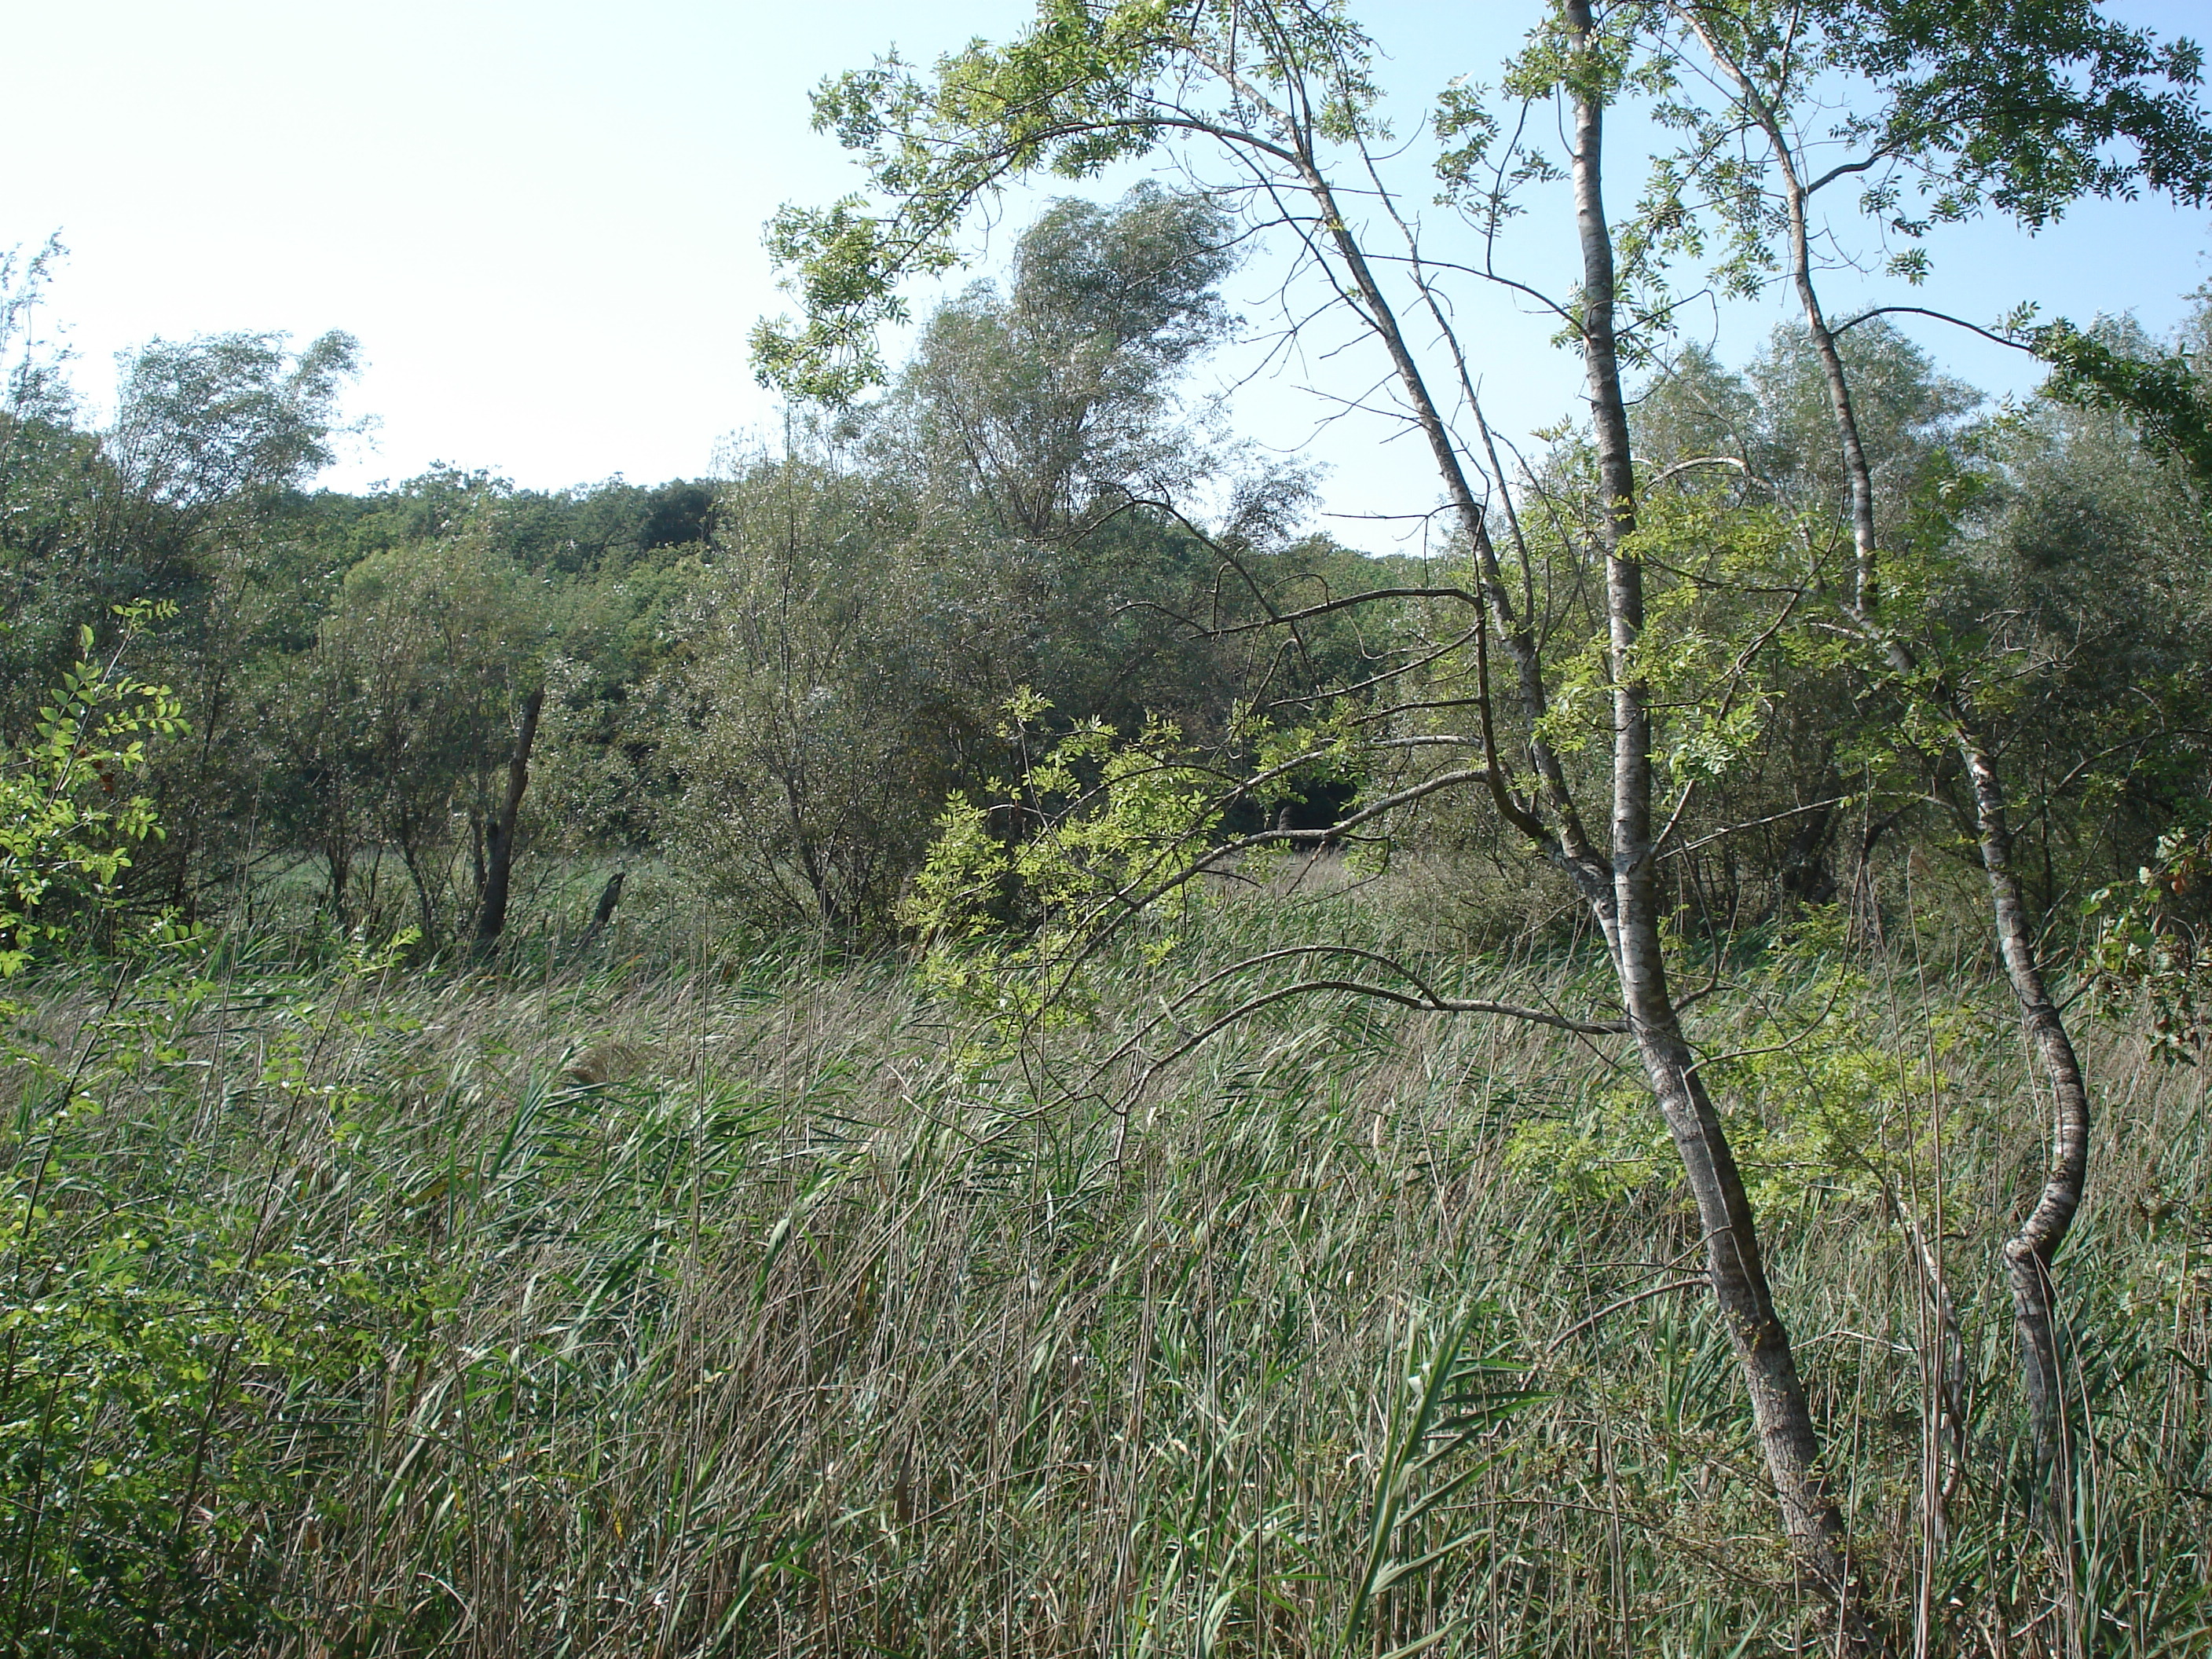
351	1316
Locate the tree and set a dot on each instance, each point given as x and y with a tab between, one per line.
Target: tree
1052	403
1283	96
992	524
819	702
2164	394
403	715
1766	436
187	499
2091	546
52	474
2022	110
224	422
499	832
66	835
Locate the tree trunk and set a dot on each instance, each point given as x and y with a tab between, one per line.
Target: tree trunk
1806	874
2028	1255
426	911
338	853
499	838
2029	1252
610	896
1780	1412
1620	890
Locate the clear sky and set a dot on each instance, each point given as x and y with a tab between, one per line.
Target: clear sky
543	220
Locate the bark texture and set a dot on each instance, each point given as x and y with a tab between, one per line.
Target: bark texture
2028	1253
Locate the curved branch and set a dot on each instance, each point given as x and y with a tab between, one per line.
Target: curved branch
1582	1325
1940	316
1422	999
1664	473
1344	604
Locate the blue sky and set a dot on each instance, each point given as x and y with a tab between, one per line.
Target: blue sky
543	220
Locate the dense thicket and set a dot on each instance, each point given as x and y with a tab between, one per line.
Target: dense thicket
766	682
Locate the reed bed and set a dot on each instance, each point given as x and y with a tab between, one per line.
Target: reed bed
761	1308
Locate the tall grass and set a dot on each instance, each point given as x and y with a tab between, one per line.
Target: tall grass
344	1319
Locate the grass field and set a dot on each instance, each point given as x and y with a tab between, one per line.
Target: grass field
751	1304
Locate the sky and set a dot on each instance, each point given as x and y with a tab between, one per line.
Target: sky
543	221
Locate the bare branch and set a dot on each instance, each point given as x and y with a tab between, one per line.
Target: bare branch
1582	1325
1940	316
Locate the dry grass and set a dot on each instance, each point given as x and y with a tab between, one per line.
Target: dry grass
746	1311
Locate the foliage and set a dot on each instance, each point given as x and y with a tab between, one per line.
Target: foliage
2162	393
1097	833
170	1370
2150	945
1052	403
226	420
1943	113
2027	108
1820	1107
1084	87
818	699
66	829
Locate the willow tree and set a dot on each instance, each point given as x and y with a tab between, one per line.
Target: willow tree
1052	402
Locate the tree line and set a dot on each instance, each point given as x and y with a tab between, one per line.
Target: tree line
764	683
770	683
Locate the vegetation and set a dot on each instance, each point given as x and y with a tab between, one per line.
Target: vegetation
360	1324
964	1039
